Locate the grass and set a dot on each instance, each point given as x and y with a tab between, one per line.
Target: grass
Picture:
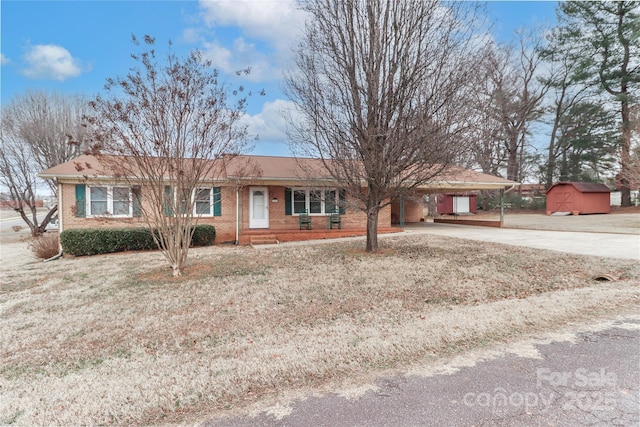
115	339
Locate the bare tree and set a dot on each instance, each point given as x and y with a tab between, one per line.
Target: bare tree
164	131
379	92
39	130
487	150
516	97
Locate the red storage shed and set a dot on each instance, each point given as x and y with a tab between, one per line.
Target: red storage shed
578	198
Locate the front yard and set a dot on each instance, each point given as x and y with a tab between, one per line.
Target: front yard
114	339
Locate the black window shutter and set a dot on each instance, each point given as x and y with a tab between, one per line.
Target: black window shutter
342	200
217	202
287	201
136	192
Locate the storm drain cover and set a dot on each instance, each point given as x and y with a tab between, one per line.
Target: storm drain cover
606	278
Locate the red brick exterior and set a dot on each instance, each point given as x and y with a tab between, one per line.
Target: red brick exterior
226	223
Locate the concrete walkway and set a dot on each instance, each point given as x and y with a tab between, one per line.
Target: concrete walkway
625	246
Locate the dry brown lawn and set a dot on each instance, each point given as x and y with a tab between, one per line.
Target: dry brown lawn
114	339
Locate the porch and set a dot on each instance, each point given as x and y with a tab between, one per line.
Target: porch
258	237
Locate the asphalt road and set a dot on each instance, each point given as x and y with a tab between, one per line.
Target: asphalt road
592	380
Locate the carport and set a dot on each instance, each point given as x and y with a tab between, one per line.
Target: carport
408	207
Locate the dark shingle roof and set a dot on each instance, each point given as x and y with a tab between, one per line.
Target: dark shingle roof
584	187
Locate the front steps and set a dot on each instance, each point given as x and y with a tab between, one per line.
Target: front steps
266	237
263	239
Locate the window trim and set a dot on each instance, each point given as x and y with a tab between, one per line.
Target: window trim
110	201
307	199
212	201
215	201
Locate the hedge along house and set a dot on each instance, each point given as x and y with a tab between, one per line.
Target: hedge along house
251	199
578	198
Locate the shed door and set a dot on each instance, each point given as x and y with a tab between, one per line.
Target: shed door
564	201
461	204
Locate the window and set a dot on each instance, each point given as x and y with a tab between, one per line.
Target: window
99	204
208	201
105	200
299	201
121	201
203	201
314	201
330	201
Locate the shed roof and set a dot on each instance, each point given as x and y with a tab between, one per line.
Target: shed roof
584	187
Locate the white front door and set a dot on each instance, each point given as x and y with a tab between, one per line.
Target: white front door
258	207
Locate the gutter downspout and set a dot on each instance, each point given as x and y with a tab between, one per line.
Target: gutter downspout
237	214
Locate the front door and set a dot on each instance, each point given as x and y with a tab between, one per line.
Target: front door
258	207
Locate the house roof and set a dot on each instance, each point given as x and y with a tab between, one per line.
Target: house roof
280	170
583	187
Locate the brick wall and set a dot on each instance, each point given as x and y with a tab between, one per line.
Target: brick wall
226	223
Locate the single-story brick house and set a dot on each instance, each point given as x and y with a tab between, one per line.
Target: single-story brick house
241	204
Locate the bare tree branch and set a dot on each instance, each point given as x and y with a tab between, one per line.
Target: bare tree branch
379	90
166	129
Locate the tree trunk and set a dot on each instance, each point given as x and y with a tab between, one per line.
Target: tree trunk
372	230
551	155
177	270
625	190
512	161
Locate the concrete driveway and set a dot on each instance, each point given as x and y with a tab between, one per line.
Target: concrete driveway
612	245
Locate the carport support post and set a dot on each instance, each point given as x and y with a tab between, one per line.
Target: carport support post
501	206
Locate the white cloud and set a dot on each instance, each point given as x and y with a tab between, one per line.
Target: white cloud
191	35
239	56
277	21
270	123
268	29
50	62
3	59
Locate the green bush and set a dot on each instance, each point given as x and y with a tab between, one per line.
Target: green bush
203	235
92	241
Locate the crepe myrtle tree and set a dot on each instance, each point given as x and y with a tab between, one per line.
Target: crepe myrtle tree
379	93
162	129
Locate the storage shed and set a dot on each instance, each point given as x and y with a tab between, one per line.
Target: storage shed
457	203
578	198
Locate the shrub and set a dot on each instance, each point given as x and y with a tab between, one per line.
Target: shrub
92	241
203	235
45	246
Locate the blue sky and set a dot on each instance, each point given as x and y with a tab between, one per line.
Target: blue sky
73	46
